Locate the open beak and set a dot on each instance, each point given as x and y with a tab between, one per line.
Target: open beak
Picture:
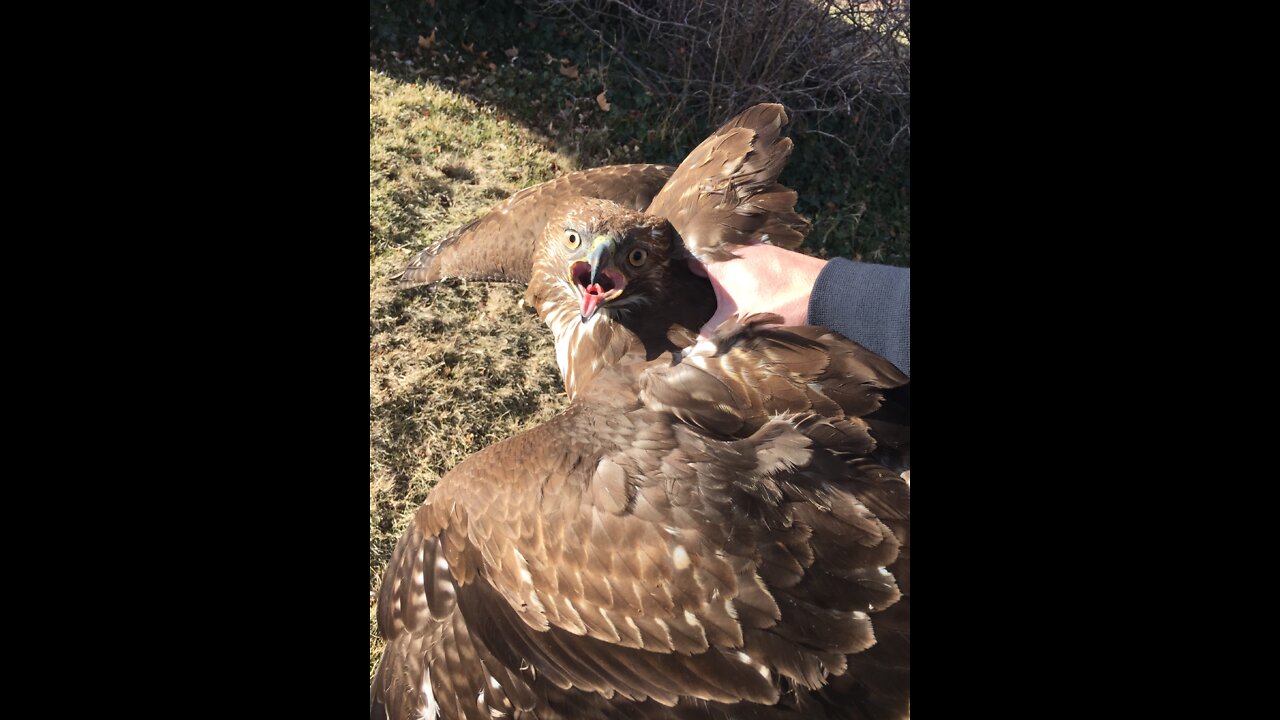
597	280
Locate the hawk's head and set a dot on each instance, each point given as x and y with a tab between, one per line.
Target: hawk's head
603	278
601	258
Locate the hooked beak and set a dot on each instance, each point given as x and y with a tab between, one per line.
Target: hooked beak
597	280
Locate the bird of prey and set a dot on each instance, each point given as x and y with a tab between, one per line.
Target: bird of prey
713	529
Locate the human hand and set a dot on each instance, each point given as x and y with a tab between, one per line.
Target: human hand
763	278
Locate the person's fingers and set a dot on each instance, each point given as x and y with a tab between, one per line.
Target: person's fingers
715	322
725	306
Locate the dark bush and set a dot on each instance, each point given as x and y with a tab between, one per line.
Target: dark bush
675	69
822	59
842	69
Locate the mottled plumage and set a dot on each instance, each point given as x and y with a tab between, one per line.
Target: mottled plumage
499	245
707	532
724	192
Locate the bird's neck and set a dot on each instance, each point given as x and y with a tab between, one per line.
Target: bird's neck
585	349
626	342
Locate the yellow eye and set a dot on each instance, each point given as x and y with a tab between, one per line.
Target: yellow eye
637	257
572	240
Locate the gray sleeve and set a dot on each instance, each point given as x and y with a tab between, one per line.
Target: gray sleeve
869	304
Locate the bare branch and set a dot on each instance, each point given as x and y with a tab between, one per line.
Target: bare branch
821	58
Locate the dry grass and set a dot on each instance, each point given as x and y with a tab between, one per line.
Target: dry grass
459	367
436	157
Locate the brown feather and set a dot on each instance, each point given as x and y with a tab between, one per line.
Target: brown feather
707	531
499	245
725	191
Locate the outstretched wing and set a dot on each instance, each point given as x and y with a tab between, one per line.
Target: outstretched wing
844	398
499	245
432	662
726	191
619	552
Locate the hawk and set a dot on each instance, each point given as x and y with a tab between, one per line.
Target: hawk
713	529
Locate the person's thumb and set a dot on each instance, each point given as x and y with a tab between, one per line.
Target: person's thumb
725	307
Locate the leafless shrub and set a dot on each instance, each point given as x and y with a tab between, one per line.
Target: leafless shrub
820	58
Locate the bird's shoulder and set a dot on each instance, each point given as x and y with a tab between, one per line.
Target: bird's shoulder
752	369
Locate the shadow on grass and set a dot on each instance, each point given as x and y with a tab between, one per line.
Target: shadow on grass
548	77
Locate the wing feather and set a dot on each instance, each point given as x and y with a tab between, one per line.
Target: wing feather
725	192
725	539
499	245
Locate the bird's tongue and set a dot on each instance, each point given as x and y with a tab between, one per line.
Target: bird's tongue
591	296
